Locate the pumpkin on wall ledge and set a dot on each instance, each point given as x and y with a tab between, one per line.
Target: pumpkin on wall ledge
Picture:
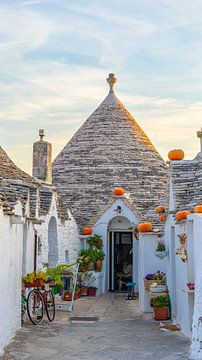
198	209
176	154
182	215
145	227
162	218
159	209
118	191
87	231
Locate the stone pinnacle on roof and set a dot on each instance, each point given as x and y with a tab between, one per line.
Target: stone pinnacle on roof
41	134
111	81
199	135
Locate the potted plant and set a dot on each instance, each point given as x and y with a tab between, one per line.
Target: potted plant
157	277
161	306
85	278
161	251
99	257
35	279
95	242
86	259
92	290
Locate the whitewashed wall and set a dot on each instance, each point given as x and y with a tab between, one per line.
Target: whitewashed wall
67	237
148	263
10	277
179	273
101	228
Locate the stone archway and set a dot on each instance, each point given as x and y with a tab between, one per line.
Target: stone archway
52	242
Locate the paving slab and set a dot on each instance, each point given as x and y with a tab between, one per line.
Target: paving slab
121	333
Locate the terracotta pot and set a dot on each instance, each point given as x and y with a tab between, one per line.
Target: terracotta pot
67	296
161	313
84	291
98	265
84	268
90	266
92	292
38	283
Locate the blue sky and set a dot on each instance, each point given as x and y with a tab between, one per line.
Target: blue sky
55	57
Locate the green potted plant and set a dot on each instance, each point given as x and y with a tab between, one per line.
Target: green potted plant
92	290
99	257
161	306
161	251
95	242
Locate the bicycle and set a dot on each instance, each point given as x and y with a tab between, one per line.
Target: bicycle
40	301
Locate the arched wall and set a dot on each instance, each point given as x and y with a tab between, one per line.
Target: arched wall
52	242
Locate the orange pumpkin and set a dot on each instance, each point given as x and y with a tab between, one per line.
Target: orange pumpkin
87	231
162	218
176	154
198	209
119	191
145	227
159	209
182	215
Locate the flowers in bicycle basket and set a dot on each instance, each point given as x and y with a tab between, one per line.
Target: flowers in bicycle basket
36	278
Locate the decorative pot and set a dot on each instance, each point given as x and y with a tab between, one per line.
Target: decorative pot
67	296
161	254
148	283
84	291
161	313
92	292
90	266
84	268
98	265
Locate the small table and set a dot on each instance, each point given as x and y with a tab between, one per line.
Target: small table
131	290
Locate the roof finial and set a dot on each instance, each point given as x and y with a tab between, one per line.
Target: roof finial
199	135
41	134
111	81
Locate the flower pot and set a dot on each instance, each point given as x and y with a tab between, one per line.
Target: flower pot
67	296
92	292
84	268
148	283
161	254
38	283
90	266
28	284
84	291
98	265
161	313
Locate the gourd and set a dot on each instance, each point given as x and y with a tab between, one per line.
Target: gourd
198	209
182	215
145	227
118	191
159	209
176	154
87	231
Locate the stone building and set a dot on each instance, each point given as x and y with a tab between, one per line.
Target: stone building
35	228
111	149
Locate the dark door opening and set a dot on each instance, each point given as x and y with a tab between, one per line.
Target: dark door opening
120	260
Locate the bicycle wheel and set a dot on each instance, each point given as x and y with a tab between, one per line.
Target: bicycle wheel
50	305
35	307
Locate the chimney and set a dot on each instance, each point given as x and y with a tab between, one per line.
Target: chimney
42	159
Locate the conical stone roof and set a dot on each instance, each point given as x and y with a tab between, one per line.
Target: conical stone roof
110	149
8	170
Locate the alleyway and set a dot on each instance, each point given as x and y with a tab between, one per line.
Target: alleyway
120	333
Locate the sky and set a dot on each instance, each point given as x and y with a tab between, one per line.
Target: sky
55	57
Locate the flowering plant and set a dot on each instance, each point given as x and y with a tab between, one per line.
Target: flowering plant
156	276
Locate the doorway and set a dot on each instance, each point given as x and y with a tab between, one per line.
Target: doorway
120	259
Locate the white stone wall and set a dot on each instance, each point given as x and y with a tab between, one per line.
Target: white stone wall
148	264
67	236
10	274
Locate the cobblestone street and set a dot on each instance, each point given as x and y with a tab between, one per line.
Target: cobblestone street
120	333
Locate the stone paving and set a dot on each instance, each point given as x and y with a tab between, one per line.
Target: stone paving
121	333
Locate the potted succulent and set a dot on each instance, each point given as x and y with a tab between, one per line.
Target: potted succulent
157	277
92	290
161	251
161	305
